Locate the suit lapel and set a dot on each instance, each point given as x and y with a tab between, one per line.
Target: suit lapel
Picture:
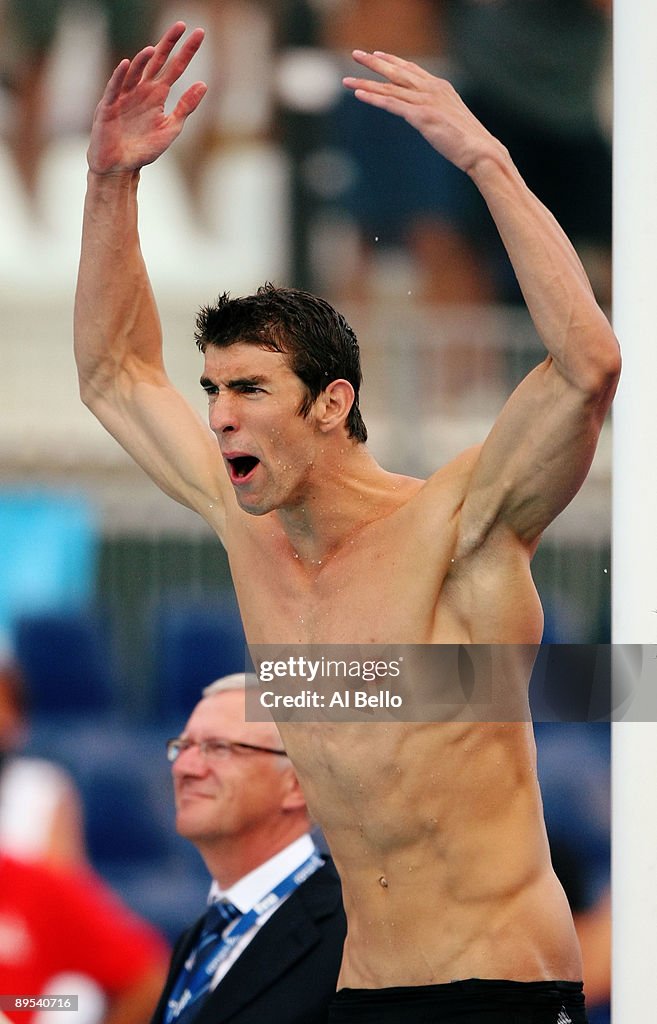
285	938
181	951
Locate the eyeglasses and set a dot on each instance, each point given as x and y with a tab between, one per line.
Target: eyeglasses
214	748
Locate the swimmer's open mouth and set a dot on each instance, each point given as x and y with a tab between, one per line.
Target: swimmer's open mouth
241	466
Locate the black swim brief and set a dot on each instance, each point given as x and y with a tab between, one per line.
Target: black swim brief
463	1002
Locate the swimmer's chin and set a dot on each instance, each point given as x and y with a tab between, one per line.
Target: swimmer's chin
253	509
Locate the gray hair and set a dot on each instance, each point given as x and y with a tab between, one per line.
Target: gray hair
236	681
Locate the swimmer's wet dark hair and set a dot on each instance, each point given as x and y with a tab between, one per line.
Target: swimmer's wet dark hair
319	342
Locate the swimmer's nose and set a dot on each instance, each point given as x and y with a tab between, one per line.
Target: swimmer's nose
223	415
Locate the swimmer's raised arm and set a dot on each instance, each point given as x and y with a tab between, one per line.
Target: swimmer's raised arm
541	447
118	338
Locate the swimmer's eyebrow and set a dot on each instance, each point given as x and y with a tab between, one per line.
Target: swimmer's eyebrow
236	383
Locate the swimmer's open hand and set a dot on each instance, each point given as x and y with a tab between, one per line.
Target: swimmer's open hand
428	103
130	127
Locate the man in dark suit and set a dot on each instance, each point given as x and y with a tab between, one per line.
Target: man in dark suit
270	945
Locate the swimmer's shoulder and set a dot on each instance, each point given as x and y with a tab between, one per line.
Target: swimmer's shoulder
448	485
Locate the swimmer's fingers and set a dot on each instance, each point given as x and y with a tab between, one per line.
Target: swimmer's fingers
405	86
136	68
384	96
167	66
116	82
188	102
429	104
163	49
131	127
126	75
154	64
398	72
180	61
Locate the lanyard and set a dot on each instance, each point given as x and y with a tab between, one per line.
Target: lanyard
181	995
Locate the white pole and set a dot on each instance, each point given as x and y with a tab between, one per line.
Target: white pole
634	747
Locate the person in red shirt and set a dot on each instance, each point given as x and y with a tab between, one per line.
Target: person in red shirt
55	922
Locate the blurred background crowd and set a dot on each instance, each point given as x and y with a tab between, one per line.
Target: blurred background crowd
115	605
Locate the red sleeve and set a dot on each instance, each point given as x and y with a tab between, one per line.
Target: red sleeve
98	935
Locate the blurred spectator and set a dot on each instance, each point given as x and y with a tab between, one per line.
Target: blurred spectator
31	27
55	926
239	802
40	812
237	65
415	203
367	226
533	73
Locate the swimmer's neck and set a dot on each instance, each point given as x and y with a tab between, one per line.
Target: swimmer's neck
346	496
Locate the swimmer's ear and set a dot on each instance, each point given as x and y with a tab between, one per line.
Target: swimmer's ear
333	404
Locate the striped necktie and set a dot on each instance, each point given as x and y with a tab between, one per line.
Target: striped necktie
196	979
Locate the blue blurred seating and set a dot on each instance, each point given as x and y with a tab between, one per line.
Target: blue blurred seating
195	642
68	662
120	820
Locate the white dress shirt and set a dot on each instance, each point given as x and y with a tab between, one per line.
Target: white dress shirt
249	890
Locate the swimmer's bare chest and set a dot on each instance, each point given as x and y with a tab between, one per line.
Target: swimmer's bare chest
383	585
394	581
